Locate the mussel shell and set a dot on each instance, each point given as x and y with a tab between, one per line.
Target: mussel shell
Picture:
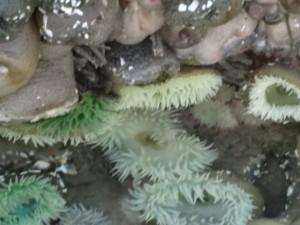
19	58
195	12
13	15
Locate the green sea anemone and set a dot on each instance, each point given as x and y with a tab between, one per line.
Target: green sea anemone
29	201
190	86
275	94
83	123
192	200
152	143
79	215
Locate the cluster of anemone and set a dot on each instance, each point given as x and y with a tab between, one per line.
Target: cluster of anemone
92	115
165	162
141	139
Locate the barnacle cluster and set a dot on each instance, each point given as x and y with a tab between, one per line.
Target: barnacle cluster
112	73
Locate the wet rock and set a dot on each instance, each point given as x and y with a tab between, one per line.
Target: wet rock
137	64
50	92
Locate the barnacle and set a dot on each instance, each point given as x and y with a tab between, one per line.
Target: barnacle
276	95
78	215
192	85
151	143
29	201
192	200
79	125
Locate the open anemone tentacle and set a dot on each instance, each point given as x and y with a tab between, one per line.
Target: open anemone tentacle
190	86
15	135
29	201
81	124
152	143
122	123
192	200
275	96
163	158
78	214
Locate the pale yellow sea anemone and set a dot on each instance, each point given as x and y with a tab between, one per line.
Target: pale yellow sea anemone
152	144
192	85
275	94
192	200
